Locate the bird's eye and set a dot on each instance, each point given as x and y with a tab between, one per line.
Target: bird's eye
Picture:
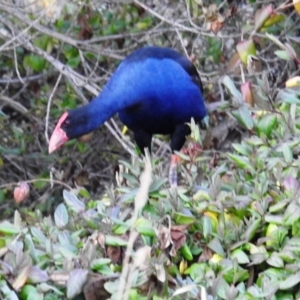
66	123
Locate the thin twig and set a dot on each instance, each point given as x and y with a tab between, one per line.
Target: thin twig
16	65
23	79
49	107
140	201
10	184
14	104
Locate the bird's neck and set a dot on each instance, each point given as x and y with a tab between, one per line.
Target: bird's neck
99	110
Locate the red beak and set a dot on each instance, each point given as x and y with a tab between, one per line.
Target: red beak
58	137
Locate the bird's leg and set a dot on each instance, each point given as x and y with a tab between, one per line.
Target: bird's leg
143	140
173	171
177	141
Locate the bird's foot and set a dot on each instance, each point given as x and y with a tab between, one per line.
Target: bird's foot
173	171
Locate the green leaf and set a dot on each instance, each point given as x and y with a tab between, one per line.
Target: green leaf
99	263
262	15
275	40
144	227
35	295
275	261
144	23
76	281
234	274
245	49
120	229
36	275
61	216
186	252
74	62
8	228
243	116
283	54
242	149
67	252
291	281
112	287
241	161
42	41
207	226
195	270
45	287
252	229
38	235
287	153
37	63
276	219
73	202
288	96
292	214
240	256
185	289
26	290
237	95
278	207
216	246
106	270
254	141
266	125
287	256
183	219
114	241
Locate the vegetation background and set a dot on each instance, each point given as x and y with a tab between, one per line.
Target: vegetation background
97	221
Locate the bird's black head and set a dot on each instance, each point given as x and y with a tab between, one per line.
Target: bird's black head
72	124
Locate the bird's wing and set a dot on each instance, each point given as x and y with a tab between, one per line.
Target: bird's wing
189	67
166	53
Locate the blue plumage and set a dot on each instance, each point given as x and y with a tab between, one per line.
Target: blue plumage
155	91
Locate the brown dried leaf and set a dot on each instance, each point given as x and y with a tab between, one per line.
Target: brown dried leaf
233	63
216	26
218	134
101	240
114	253
178	236
205	255
21	278
86	31
164	236
82	178
210	13
262	15
246	89
254	65
226	178
94	288
214	159
193	150
231	11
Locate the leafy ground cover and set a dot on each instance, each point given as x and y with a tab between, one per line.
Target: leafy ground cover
231	228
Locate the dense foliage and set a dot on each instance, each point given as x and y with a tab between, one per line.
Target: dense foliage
83	227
